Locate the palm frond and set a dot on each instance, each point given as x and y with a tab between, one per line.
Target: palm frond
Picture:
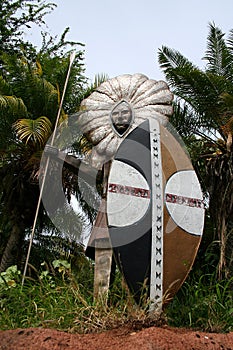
5	88
230	41
34	131
200	89
218	55
184	120
12	104
227	102
99	79
179	72
39	69
11	109
171	59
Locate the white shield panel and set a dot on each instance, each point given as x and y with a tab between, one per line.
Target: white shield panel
184	201
128	195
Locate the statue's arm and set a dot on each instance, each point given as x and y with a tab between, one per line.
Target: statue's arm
85	170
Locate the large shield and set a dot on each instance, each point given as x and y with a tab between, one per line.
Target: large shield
155	212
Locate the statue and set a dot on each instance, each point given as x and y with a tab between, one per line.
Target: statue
151	215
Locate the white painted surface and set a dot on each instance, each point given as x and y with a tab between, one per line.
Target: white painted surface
185	184
123	209
156	278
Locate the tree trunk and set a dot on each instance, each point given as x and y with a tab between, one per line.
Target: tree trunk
222	242
11	252
220	188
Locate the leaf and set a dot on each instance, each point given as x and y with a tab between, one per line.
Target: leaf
35	131
61	264
218	55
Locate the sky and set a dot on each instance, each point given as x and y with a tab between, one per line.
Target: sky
124	36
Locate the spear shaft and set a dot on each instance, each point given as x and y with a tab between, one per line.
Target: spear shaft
72	57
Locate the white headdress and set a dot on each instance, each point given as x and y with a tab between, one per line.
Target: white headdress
147	98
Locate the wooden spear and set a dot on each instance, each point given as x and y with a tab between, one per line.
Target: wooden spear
72	57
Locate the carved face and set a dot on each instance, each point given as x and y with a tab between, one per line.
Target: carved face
121	117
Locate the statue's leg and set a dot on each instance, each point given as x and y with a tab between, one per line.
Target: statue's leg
103	263
101	241
99	244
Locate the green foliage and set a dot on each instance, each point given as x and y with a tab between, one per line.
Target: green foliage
18	15
50	300
31	85
9	278
200	90
204	304
59	298
203	117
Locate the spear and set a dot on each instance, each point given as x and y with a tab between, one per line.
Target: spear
72	57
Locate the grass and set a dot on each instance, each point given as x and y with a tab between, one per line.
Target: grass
57	298
204	303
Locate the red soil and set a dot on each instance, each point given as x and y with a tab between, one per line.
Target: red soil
153	338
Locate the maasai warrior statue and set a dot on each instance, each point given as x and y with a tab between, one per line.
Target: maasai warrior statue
151	216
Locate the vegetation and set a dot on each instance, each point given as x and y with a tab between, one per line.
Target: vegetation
204	301
204	117
43	300
31	84
201	303
29	107
204	304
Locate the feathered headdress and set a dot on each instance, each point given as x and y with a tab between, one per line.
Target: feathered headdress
134	97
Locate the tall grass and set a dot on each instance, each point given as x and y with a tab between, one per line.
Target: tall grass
204	303
56	297
59	299
51	300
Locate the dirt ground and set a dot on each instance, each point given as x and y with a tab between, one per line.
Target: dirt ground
152	338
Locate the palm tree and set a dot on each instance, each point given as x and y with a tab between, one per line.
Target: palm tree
31	91
203	115
28	109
